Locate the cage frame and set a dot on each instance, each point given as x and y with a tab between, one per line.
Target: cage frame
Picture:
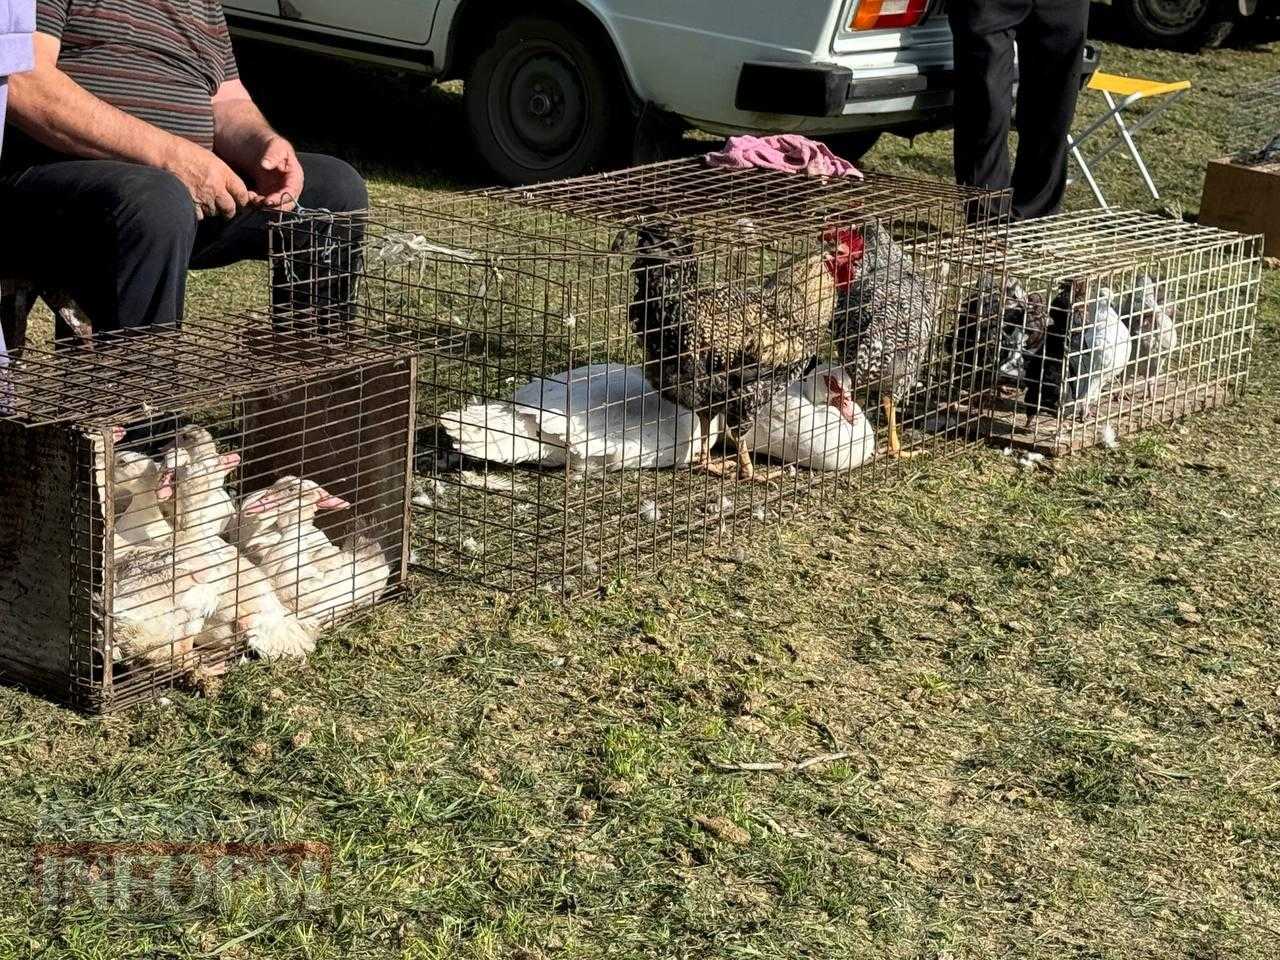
1118	250
486	229
78	398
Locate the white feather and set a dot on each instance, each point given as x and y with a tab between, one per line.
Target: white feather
604	416
1106	339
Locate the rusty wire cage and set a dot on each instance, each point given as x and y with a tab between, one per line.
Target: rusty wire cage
1114	321
618	370
175	499
1251	124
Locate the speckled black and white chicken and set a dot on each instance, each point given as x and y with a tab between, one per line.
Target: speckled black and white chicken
887	313
725	350
998	331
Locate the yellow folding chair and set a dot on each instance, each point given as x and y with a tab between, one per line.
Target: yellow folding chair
1129	90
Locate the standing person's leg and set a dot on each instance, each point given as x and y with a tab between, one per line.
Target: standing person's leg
115	236
1050	54
330	184
984	74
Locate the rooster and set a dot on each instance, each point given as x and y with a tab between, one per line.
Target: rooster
726	350
887	316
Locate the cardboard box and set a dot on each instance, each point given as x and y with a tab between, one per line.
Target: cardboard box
1244	199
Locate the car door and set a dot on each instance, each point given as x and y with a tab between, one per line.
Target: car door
404	21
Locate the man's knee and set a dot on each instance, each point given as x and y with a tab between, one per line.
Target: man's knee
332	184
154	206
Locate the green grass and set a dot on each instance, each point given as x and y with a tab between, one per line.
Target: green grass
1047	755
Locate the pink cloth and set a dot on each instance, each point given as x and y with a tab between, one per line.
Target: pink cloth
789	153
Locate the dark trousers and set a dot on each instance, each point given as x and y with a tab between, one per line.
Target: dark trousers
1050	35
119	238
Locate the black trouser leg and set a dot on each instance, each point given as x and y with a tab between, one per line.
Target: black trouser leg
116	236
1050	54
1050	38
984	71
310	280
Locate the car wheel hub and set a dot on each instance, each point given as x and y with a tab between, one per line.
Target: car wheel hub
546	104
1173	15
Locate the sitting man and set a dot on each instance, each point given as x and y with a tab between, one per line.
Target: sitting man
135	153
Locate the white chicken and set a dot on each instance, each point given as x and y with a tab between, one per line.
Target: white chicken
1152	329
316	579
604	416
815	423
249	604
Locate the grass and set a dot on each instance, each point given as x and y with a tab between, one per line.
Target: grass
1057	691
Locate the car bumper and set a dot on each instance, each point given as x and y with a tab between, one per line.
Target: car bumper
830	97
831	90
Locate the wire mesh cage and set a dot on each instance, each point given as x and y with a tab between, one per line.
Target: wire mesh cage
1251	132
172	500
1113	321
618	370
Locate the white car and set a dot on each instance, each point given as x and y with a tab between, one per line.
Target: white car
555	88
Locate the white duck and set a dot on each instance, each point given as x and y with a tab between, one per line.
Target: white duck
194	463
1099	353
604	416
815	423
139	522
1152	329
250	604
316	579
160	603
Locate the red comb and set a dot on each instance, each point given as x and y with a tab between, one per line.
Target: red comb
849	250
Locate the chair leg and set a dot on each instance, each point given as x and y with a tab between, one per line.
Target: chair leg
1086	172
1128	141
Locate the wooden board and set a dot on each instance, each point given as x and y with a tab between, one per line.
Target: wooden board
45	545
1125	411
1245	199
351	432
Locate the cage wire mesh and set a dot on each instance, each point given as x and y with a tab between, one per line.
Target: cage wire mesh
619	370
175	499
1252	124
1114	321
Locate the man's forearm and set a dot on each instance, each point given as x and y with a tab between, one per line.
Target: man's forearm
241	132
56	111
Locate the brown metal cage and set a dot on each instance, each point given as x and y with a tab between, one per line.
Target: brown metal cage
619	370
174	499
1114	321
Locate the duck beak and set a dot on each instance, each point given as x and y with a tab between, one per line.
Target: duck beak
165	490
329	502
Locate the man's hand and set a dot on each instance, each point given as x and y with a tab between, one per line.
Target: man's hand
278	178
215	189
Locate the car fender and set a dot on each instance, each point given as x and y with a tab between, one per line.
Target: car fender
449	14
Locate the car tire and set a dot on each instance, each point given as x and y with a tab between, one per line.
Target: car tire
853	146
1183	24
542	104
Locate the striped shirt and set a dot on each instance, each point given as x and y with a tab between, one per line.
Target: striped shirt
158	60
